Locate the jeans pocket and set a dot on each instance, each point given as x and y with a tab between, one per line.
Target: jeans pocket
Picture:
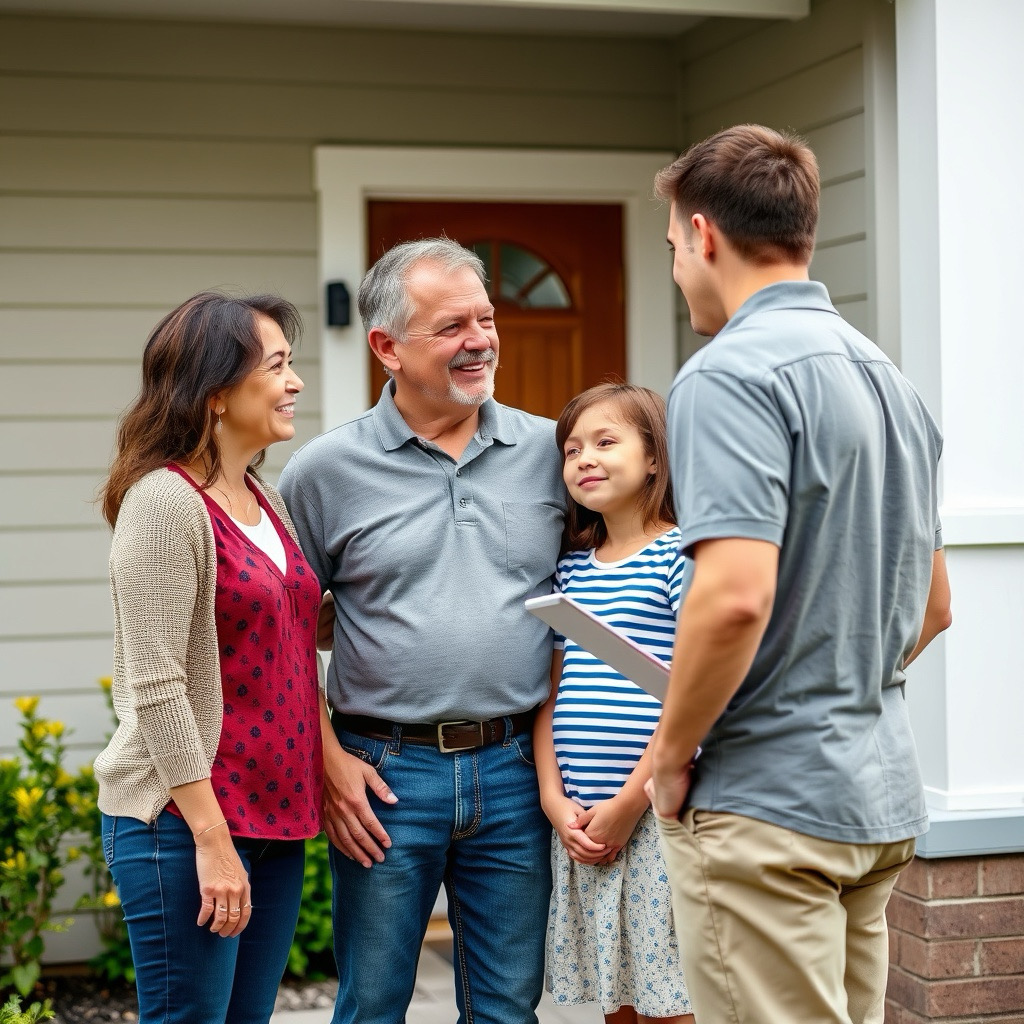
523	744
108	826
372	752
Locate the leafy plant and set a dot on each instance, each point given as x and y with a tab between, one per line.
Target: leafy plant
114	960
12	1013
40	804
311	954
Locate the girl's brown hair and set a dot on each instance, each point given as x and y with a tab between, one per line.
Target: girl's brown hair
210	343
643	410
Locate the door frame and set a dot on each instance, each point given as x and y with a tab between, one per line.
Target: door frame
347	176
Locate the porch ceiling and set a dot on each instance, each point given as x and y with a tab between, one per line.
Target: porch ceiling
620	17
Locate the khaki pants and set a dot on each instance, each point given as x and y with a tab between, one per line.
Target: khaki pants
776	927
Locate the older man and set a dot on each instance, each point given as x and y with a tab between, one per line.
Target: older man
431	518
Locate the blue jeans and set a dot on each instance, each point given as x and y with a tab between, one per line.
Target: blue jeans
470	821
185	974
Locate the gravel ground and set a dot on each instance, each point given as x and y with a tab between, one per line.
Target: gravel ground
79	999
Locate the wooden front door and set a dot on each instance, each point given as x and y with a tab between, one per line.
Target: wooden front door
555	278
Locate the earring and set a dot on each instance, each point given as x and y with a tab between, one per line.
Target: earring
218	427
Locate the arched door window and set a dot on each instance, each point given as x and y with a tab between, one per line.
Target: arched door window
519	277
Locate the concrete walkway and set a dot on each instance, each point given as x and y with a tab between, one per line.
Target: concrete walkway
434	1001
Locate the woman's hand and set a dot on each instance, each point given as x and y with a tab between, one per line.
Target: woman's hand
226	900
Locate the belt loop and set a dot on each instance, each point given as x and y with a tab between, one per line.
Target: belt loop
395	746
508	730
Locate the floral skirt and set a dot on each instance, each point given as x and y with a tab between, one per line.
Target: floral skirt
611	938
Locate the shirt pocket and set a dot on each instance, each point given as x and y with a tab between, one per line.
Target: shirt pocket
533	535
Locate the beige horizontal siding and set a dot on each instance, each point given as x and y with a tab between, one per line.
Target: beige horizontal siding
54	556
821	94
31	164
88	444
843	211
271	227
72	664
236	110
283	54
769	52
100	278
839	147
104	334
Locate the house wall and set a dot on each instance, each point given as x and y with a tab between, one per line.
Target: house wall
812	77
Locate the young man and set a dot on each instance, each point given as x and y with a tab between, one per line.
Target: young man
431	518
805	468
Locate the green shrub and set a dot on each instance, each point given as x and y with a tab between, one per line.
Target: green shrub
12	1013
311	954
40	805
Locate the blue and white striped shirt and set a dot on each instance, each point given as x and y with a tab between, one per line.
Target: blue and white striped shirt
602	721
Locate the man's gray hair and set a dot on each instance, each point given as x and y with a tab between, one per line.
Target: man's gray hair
383	297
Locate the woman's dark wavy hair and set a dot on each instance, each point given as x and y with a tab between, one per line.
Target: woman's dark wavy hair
210	343
644	410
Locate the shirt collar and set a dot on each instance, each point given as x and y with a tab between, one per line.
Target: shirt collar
495	424
785	295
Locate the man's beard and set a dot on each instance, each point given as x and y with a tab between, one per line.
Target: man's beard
484	390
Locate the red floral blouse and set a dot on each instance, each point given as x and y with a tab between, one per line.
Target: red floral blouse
268	772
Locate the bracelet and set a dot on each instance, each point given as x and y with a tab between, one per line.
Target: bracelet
196	835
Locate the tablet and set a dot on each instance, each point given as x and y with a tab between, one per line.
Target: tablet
571	619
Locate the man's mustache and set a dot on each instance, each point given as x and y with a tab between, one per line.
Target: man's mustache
485	356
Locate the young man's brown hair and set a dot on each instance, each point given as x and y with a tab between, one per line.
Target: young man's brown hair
760	187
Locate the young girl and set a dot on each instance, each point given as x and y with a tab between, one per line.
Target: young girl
610	932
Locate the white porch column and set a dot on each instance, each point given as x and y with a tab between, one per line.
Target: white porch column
960	73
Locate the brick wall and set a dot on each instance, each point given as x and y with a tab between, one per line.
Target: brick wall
956	941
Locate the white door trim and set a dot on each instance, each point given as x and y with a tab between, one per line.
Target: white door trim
347	176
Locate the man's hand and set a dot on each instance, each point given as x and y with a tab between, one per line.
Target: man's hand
668	786
348	820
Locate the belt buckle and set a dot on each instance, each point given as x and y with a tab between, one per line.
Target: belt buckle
441	746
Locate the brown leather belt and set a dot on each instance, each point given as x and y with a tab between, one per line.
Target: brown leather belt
448	737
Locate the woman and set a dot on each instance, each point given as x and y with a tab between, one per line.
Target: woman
214	776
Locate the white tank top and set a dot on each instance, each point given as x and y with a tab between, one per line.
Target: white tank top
266	538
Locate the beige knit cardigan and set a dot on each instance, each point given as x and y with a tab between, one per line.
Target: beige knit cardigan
167	687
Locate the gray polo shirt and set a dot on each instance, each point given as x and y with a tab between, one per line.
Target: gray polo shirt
430	559
793	428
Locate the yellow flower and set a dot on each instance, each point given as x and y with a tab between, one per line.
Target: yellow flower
85	771
55	728
17	862
63	778
74	853
106	682
26	799
26	705
40	729
110	899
